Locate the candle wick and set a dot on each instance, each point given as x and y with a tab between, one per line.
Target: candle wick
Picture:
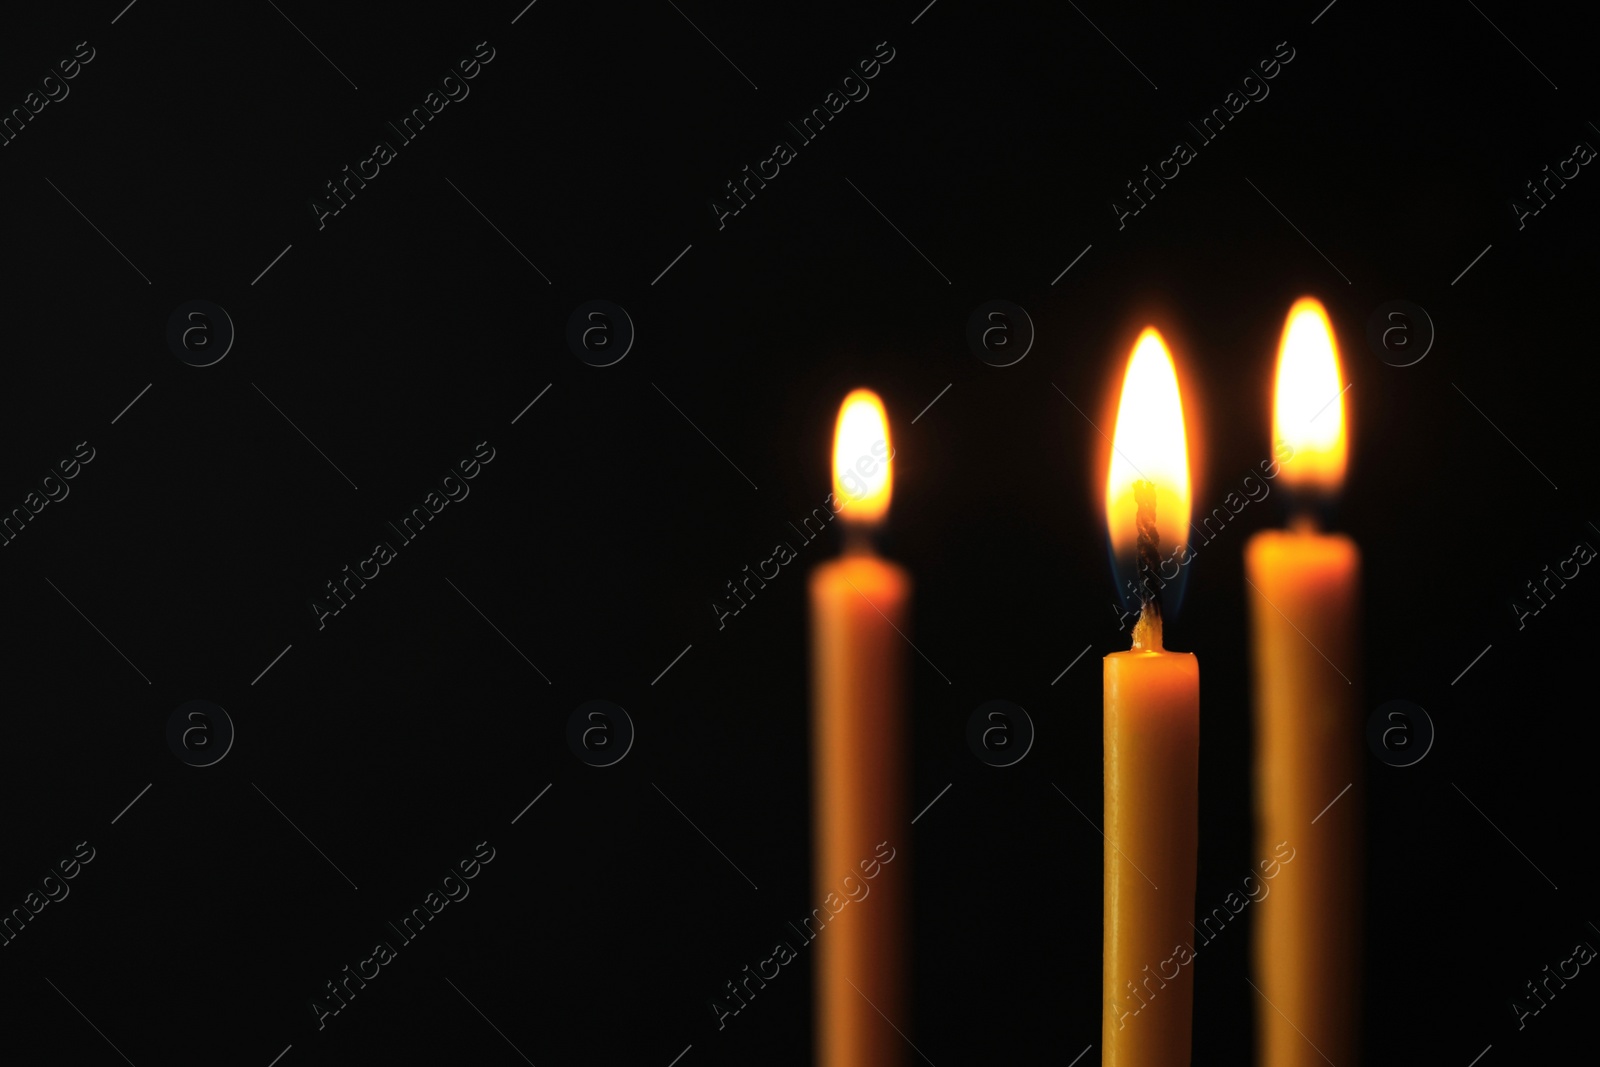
1147	631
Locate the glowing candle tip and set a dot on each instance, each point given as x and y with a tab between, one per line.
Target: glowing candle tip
863	480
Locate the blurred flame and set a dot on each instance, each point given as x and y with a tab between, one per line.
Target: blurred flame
1149	445
862	480
1308	408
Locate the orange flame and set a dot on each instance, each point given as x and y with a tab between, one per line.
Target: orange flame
1308	408
1149	445
862	478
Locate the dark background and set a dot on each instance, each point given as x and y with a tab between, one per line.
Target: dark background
408	330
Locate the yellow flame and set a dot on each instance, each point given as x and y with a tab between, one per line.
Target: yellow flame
862	478
1149	445
1308	408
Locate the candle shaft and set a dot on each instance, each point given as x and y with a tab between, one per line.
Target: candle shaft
1308	736
1152	766
858	743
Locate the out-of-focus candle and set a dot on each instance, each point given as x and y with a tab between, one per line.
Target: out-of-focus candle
1152	738
1303	611
859	605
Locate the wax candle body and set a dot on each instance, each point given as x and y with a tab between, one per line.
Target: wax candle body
1152	767
859	739
1308	732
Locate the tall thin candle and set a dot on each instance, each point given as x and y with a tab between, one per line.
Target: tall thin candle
1152	737
859	605
1303	609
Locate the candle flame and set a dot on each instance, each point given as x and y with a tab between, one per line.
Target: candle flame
862	479
1149	446
1308	408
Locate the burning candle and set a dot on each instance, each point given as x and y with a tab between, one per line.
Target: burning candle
1152	735
859	605
1303	609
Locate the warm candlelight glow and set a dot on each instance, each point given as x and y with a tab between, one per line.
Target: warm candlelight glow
1149	445
862	480
1308	410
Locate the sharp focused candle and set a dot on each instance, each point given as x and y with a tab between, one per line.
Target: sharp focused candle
1308	729
859	605
1152	736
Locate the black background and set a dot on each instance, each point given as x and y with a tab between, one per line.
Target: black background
408	330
